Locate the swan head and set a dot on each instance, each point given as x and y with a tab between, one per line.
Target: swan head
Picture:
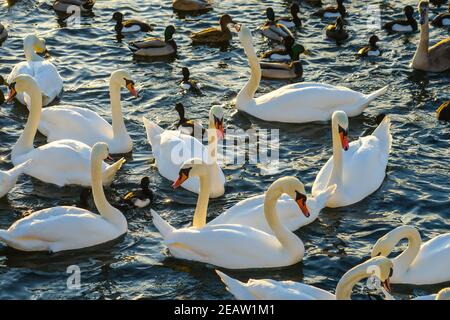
216	115
382	268
423	11
386	244
295	189
340	120
22	83
122	78
444	294
244	33
100	151
37	43
194	167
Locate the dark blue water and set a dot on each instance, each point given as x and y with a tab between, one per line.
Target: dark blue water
416	189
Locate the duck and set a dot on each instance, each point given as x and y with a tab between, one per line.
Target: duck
187	83
267	289
63	6
337	31
44	72
443	19
293	21
3	33
65	228
165	143
9	178
214	35
233	246
293	213
332	12
292	103
436	58
140	198
155	47
187	126
281	71
372	50
443	112
191	5
358	169
413	265
61	162
88	127
129	26
291	51
408	25
273	30
438	3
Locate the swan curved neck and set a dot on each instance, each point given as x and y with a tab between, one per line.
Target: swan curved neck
345	286
338	164
247	93
201	209
287	239
118	124
25	142
403	261
30	54
107	211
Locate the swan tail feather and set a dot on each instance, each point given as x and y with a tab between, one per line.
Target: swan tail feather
153	132
235	287
372	96
110	172
164	228
383	133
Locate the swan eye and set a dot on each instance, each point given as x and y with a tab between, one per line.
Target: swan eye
300	196
342	130
378	254
185	172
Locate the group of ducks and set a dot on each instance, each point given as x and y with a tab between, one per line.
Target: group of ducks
254	233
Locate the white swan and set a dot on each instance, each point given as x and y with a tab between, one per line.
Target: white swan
171	148
230	245
68	122
44	72
68	228
357	169
61	162
9	178
266	289
421	263
293	214
298	102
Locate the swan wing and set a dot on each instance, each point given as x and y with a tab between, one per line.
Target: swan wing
48	79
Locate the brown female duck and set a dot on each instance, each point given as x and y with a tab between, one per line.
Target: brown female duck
214	35
191	5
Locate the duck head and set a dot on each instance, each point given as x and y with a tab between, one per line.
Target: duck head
118	16
295	10
409	12
270	14
186	74
225	20
373	40
168	33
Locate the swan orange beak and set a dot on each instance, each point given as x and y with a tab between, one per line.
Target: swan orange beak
237	27
343	134
132	90
12	93
300	199
182	178
387	285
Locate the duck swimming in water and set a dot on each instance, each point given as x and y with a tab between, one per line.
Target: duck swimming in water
291	51
337	31
130	25
332	12
155	47
408	25
442	20
273	30
187	83
214	35
191	5
280	70
140	198
65	6
293	21
372	49
188	126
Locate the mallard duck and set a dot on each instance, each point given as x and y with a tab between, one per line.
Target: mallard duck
438	3
63	6
214	35
279	70
188	126
191	5
443	112
3	33
442	20
291	51
332	12
372	49
408	25
129	26
272	30
155	47
293	21
140	198
337	30
187	83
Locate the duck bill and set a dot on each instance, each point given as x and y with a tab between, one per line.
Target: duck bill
303	207
132	90
387	285
344	140
237	26
182	178
11	95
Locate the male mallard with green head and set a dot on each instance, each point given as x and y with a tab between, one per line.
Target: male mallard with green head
155	47
291	51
